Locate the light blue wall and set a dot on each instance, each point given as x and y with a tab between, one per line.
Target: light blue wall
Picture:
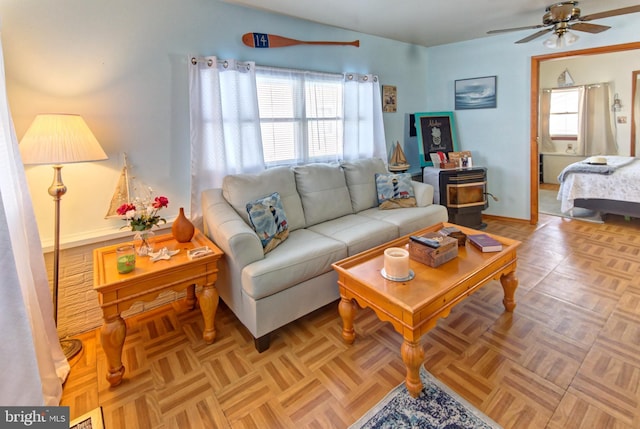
123	65
499	138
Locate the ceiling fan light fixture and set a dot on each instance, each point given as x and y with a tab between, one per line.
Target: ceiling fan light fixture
552	41
560	39
570	38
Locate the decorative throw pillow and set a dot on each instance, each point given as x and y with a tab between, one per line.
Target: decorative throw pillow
268	220
394	190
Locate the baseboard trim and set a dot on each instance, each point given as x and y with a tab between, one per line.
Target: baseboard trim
507	219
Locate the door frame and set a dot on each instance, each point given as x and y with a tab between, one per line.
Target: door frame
635	75
533	132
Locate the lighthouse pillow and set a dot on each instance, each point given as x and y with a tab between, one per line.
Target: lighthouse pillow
394	191
268	221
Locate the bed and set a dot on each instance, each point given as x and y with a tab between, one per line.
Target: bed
613	188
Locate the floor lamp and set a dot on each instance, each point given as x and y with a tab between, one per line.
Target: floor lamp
59	139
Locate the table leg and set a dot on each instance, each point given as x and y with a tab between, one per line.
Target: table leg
347	310
112	336
209	306
509	283
191	297
413	357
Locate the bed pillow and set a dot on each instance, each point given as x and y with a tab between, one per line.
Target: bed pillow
394	191
269	221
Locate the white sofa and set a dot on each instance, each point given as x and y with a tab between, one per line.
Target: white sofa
332	212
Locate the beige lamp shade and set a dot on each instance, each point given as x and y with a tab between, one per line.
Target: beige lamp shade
59	139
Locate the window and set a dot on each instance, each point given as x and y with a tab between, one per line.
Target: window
301	115
563	117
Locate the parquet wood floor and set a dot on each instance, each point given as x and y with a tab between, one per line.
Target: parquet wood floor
568	357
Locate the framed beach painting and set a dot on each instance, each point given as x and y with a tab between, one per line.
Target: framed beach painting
476	93
436	132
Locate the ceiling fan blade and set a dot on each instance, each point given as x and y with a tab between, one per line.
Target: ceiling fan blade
505	30
608	13
535	35
589	28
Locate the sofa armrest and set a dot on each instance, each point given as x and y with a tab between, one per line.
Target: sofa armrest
423	193
228	230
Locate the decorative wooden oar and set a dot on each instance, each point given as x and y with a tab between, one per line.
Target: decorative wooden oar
262	40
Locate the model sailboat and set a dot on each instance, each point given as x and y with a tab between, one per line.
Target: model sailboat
398	162
122	194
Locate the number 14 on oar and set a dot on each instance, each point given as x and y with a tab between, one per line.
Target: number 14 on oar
263	40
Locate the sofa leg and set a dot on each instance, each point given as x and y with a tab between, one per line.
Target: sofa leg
262	343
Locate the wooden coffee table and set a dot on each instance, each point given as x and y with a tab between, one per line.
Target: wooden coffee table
118	292
413	307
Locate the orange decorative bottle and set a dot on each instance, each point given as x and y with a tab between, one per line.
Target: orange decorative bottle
182	228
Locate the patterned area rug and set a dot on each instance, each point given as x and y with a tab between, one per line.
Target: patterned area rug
549	204
437	407
91	420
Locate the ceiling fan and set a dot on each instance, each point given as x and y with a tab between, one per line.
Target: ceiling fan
564	16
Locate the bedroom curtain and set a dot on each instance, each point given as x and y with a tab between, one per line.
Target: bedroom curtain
598	127
546	145
33	364
224	124
595	127
363	125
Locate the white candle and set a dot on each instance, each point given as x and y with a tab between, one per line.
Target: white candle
396	262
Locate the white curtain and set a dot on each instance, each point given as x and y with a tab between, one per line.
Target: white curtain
583	121
546	145
599	136
635	139
363	125
224	124
33	365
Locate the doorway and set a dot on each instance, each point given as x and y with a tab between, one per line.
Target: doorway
533	132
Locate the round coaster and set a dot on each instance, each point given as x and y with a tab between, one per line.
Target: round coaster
398	279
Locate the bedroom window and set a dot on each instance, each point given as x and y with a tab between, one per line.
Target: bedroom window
301	115
564	114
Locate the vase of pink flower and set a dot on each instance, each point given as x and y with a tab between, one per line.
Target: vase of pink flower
141	216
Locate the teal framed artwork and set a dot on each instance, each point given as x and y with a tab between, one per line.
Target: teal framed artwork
436	132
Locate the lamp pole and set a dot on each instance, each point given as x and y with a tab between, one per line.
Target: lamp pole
56	190
70	346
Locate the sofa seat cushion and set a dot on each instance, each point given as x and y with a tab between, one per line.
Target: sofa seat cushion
358	233
239	189
323	191
304	255
360	175
410	219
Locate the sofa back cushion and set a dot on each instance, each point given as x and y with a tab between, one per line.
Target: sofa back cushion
239	189
323	191
360	176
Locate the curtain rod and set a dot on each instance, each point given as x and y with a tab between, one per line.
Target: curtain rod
209	62
587	85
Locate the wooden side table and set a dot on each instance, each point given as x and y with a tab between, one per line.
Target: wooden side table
118	292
